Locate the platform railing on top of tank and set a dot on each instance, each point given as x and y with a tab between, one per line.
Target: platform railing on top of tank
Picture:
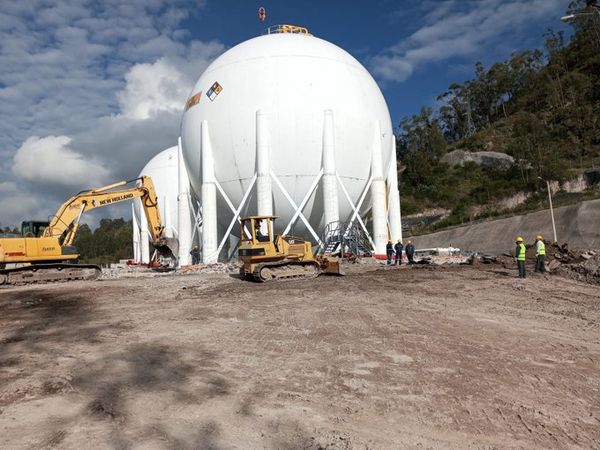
285	28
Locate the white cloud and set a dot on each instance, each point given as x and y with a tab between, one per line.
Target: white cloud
457	29
51	161
63	62
152	88
89	92
163	86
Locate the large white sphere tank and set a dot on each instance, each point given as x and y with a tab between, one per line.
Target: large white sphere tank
293	79
163	170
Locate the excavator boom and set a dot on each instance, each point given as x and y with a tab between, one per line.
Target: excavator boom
53	249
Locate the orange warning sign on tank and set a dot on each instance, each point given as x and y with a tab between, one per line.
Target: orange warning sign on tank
193	100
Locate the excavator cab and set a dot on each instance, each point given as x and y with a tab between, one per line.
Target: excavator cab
33	228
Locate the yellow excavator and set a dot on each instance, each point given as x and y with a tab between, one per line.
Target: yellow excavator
45	252
269	257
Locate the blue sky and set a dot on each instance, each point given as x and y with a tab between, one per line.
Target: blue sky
369	30
91	90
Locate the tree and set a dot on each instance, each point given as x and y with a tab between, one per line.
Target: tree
542	107
110	242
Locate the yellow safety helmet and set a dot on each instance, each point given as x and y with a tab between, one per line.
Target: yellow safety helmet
539	237
519	239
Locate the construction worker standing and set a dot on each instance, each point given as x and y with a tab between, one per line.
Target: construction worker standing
398	248
520	255
389	250
410	252
540	254
195	253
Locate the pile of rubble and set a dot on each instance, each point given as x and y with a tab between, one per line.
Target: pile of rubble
210	268
115	271
479	258
442	260
582	265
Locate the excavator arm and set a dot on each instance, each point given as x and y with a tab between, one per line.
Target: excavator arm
66	220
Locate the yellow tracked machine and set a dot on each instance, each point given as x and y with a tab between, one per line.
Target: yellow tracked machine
269	257
44	252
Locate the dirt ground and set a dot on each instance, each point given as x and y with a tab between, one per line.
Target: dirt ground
417	357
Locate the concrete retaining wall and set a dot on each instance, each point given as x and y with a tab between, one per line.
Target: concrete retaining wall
579	225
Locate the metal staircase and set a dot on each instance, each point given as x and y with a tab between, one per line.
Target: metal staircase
345	239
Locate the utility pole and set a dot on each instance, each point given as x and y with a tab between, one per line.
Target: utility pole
551	209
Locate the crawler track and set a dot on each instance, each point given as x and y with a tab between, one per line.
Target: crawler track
48	273
285	270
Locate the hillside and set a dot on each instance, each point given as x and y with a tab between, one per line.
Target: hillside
483	152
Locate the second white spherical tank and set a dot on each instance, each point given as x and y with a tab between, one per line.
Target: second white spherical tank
163	171
293	80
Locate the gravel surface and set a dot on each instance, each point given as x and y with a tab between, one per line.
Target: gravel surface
443	357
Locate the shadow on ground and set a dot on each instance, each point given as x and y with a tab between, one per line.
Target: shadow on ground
35	321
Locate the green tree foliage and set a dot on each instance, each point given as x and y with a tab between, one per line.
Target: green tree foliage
110	242
541	107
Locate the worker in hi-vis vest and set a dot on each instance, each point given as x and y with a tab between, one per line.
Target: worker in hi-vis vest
520	255
540	254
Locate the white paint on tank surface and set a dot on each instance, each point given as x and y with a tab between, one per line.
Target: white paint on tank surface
293	80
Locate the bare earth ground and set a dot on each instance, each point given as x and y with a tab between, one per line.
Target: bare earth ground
419	357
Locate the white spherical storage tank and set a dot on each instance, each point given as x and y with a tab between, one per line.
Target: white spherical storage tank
292	125
163	169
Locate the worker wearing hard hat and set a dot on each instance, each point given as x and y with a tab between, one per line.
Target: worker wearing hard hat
410	252
540	254
520	255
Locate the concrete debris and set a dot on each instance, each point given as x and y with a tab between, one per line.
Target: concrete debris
586	268
114	271
443	260
553	265
477	258
210	268
123	270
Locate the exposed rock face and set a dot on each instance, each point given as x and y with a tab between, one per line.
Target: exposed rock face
487	160
578	184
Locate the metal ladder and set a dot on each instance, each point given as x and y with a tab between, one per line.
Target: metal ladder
344	239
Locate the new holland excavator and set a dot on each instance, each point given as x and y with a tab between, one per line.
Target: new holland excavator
45	252
269	257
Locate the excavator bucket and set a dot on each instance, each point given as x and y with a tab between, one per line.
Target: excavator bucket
167	248
331	266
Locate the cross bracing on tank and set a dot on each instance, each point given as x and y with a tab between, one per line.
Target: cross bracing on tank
298	212
356	209
300	207
236	213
